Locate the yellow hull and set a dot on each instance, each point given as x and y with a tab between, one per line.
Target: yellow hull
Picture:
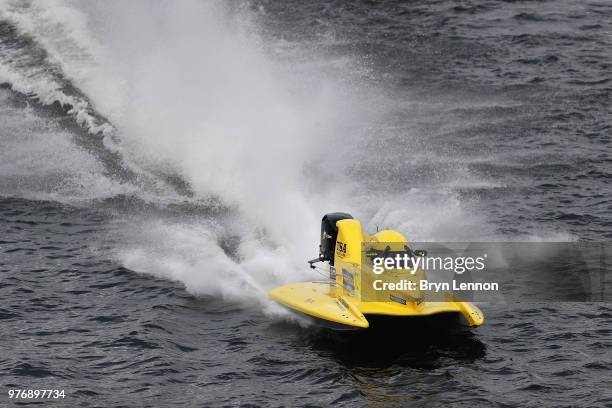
338	302
325	301
321	301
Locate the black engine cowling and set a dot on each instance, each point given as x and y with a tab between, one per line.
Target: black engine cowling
329	234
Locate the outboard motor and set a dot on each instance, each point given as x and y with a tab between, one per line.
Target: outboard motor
329	234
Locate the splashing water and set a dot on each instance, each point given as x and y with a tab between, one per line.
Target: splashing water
191	90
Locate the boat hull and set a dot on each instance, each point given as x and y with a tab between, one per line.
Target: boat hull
326	304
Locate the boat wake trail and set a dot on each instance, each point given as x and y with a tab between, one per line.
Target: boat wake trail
232	143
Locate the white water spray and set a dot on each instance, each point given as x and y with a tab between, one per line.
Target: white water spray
192	90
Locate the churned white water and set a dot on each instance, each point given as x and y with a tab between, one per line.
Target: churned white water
193	90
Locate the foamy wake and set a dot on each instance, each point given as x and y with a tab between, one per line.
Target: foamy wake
191	90
70	55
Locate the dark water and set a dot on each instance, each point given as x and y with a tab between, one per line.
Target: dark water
499	110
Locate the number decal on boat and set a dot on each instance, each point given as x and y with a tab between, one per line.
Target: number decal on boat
341	247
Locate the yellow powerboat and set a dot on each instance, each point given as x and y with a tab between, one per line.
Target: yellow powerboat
345	300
